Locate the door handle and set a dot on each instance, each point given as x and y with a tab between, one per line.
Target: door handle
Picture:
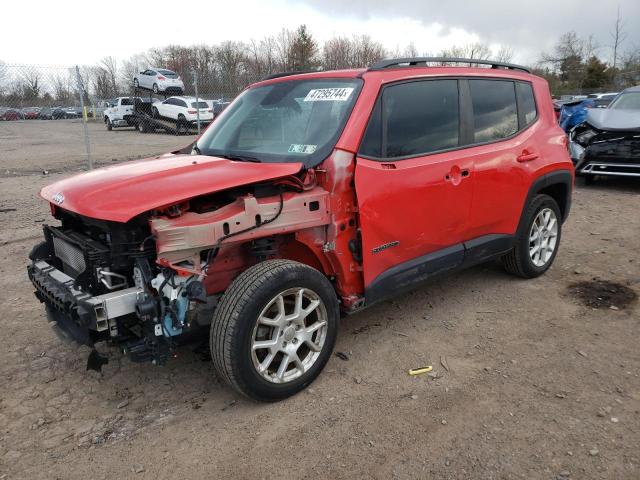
526	156
456	175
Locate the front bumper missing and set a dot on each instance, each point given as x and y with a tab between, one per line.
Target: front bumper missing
77	312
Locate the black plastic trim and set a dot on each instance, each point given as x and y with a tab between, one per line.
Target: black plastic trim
547	180
406	275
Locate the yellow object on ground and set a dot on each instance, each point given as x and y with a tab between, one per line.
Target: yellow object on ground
421	370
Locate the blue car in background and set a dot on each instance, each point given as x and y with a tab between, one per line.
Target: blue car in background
574	113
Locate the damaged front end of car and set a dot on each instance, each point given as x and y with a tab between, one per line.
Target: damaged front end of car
151	283
606	144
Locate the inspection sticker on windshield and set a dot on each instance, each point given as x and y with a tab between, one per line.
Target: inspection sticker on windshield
328	95
299	148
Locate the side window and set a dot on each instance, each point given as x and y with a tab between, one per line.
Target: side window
151	72
180	103
526	103
495	115
414	118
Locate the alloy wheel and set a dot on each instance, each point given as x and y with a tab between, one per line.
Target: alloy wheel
543	237
289	335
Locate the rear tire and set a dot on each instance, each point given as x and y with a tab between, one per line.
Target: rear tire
181	126
135	83
542	228
155	88
261	306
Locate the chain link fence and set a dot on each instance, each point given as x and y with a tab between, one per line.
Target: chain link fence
53	118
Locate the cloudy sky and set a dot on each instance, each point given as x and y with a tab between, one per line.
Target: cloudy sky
67	32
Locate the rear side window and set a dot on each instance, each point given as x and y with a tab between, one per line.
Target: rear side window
414	118
495	113
168	73
126	101
526	102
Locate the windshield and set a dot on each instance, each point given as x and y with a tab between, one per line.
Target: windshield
294	121
626	101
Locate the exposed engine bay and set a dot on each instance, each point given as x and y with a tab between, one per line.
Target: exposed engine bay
152	283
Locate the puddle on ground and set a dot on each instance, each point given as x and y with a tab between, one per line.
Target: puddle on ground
602	294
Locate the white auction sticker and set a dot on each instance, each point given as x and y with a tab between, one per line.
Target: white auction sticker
300	148
328	95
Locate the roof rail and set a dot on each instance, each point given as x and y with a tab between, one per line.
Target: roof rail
414	61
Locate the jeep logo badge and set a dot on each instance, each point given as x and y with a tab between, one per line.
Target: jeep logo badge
58	198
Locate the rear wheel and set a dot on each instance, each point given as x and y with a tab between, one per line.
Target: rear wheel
155	88
274	329
135	83
182	127
537	243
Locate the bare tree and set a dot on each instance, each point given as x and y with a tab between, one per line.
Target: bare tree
284	40
31	84
337	53
505	54
3	75
357	52
110	66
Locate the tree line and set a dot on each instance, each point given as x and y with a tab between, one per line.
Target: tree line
223	70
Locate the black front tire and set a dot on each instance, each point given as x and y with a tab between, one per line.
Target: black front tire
237	314
518	261
108	123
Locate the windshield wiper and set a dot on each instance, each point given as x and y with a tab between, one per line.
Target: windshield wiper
238	158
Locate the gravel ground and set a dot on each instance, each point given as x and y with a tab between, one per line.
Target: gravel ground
58	145
528	381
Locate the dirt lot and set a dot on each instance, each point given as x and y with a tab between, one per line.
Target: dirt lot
58	145
537	385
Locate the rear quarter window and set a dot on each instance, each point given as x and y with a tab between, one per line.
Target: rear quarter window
495	112
526	102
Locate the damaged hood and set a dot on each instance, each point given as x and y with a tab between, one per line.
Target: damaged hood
611	119
119	193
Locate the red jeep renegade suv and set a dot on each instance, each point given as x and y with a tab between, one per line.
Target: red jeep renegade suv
310	195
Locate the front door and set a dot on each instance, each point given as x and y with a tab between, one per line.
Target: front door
414	187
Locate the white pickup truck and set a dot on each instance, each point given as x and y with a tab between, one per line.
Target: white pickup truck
120	112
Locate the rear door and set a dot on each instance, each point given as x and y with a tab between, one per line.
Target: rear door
414	187
504	152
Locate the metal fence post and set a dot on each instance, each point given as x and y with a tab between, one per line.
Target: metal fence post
195	86
84	118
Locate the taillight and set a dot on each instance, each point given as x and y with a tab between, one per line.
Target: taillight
191	111
160	77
